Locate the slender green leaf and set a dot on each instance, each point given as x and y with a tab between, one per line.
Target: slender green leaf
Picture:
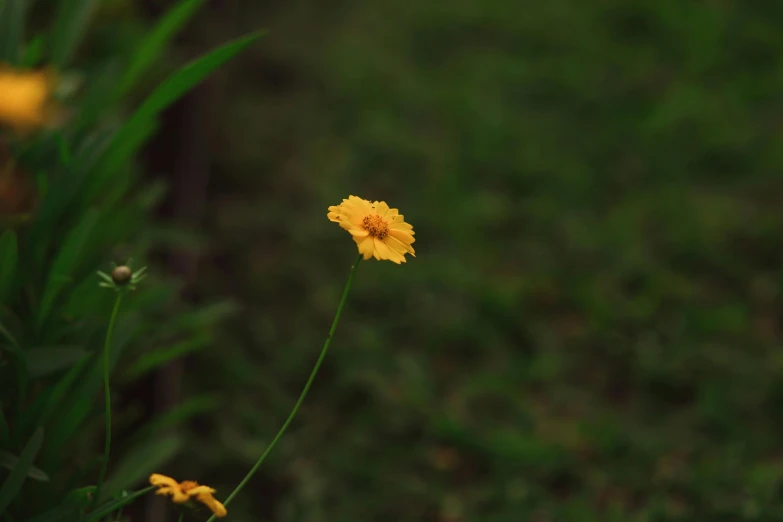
13	325
205	316
13	483
44	360
34	52
62	387
96	99
11	30
154	43
111	507
4	432
9	254
24	424
39	413
66	261
160	356
127	139
5	333
20	369
72	19
64	149
56	515
139	462
9	461
193	406
80	497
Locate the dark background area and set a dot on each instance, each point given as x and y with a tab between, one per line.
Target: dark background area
591	328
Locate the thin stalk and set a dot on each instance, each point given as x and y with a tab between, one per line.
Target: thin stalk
107	395
306	389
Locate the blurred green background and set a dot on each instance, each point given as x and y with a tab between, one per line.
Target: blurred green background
591	329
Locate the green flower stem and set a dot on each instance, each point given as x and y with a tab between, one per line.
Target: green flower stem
304	390
107	392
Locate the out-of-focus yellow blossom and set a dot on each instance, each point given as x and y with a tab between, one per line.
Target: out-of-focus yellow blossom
181	492
379	231
26	98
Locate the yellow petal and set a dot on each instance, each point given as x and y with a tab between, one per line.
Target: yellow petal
156	479
396	245
384	252
177	496
381	208
199	490
214	505
400	226
366	246
397	249
402	236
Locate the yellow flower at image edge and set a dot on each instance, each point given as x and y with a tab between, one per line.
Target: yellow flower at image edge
379	231
181	492
25	98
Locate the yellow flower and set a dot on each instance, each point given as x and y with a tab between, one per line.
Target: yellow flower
25	98
379	231
181	492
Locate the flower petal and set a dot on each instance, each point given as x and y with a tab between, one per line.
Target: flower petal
198	490
214	505
400	225
398	246
156	479
381	208
402	236
383	252
177	496
366	246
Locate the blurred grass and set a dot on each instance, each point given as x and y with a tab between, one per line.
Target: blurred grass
591	329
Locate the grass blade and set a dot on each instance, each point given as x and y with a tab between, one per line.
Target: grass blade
149	361
42	361
14	344
11	30
63	385
72	20
4	432
9	253
65	262
142	460
16	478
39	414
125	141
198	405
55	515
9	461
110	507
153	44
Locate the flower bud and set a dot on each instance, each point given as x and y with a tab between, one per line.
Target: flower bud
121	275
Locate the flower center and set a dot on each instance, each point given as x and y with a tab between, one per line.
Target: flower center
376	226
187	485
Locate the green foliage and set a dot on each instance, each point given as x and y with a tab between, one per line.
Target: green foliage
92	208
